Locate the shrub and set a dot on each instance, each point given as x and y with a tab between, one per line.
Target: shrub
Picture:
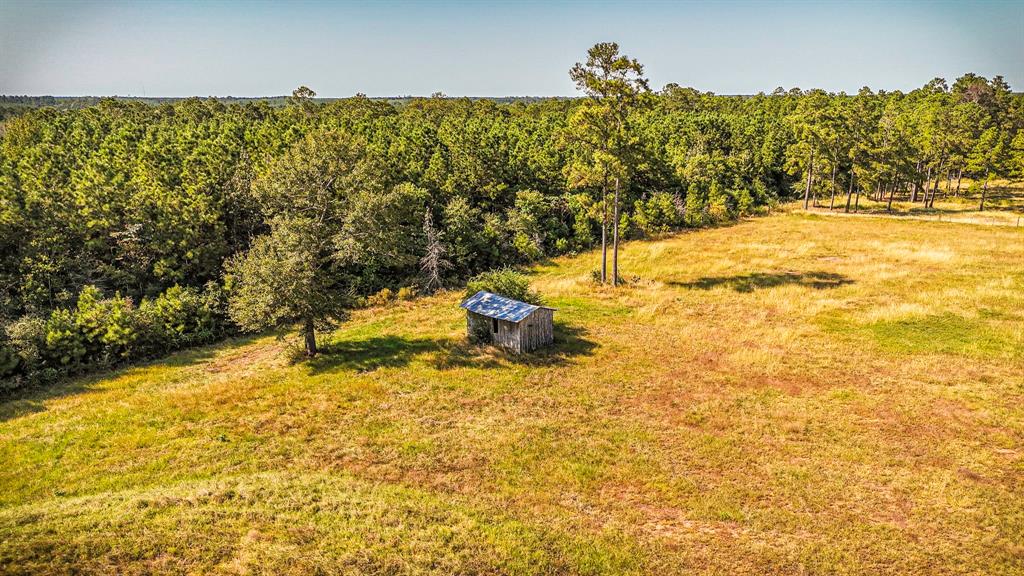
106	327
119	329
480	332
180	317
529	248
65	344
26	336
532	222
406	293
102	331
382	298
85	324
626	226
9	361
215	306
505	282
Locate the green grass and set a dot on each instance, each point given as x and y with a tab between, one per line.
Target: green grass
793	394
943	333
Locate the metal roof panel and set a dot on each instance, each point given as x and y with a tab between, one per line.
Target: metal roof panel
500	307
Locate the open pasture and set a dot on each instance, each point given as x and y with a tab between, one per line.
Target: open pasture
792	394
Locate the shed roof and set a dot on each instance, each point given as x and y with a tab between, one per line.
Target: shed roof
500	307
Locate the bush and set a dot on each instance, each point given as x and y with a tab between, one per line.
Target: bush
406	293
382	298
9	361
65	343
105	327
505	282
119	329
626	226
103	331
480	332
180	317
529	248
532	222
26	336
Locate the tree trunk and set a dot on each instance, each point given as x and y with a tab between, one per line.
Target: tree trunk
959	177
984	192
917	182
615	237
810	174
935	189
832	200
927	179
891	193
309	335
604	234
849	192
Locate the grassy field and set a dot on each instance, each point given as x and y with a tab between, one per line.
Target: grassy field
1004	206
795	394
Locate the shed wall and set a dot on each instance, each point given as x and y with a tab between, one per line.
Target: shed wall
481	328
536	330
532	332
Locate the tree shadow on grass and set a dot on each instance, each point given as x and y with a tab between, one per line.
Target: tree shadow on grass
32	398
368	354
394	351
817	280
570	342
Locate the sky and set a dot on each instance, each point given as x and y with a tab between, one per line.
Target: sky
524	48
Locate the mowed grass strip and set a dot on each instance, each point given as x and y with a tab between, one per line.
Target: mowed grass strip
792	394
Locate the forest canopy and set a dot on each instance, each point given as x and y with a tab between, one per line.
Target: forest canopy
126	228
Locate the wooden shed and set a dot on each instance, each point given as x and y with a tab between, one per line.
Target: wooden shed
511	324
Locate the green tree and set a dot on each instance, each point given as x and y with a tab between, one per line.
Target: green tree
988	156
615	86
331	220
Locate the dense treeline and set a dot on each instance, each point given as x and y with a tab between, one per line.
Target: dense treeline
126	229
11	106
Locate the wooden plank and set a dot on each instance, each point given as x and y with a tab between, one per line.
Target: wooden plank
533	332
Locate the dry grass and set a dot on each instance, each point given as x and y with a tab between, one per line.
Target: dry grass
794	394
1004	206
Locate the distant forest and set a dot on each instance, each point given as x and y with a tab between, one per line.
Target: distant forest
129	226
11	106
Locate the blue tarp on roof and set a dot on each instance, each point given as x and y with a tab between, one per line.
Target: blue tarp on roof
494	306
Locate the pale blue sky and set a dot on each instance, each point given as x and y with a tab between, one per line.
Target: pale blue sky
163	48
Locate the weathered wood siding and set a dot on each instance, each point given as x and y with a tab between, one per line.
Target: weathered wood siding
532	332
536	330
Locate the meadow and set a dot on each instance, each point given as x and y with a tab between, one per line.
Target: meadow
798	394
1004	206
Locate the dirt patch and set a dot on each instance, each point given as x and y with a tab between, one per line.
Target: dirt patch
246	360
